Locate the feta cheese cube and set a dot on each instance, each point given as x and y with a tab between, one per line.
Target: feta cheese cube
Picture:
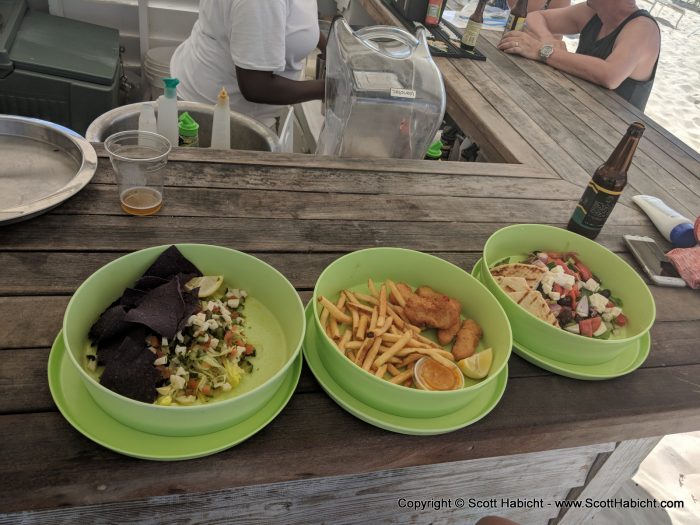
180	371
161	360
233	303
180	350
598	302
557	269
592	285
565	280
164	341
555	296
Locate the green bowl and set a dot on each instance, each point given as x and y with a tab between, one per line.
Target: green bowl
277	319
416	269
615	274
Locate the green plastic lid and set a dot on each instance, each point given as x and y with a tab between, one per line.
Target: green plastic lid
435	150
187	125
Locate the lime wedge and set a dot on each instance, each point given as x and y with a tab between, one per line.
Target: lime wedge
207	284
478	365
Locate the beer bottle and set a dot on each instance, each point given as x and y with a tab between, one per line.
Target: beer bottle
517	17
605	187
476	22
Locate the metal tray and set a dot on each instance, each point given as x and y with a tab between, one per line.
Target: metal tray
41	165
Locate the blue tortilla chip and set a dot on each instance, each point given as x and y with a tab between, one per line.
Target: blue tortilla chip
148	283
170	263
131	298
108	350
130	372
111	323
161	309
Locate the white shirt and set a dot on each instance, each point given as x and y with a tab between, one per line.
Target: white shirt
262	35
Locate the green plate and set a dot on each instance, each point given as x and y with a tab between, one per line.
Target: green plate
482	404
79	409
627	361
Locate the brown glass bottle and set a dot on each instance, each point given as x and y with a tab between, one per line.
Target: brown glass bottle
476	22
517	17
605	187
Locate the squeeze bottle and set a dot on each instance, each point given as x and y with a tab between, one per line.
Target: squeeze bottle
672	225
147	118
221	127
167	112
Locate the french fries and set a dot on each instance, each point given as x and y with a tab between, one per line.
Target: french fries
373	331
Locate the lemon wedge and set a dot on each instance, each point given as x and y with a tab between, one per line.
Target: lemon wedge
207	284
478	365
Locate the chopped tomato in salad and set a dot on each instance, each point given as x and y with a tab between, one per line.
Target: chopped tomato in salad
576	297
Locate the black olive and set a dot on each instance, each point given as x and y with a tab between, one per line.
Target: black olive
565	316
605	293
565	301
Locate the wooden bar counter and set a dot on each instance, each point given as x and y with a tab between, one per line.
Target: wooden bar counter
549	438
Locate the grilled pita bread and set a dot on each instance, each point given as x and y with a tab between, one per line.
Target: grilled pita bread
512	284
531	273
534	303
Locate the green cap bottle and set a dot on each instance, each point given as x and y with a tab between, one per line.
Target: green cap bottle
188	130
434	151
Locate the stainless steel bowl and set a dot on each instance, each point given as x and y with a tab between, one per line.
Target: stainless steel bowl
246	132
41	165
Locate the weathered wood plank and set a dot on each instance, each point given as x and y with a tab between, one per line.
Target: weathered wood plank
518	116
54	232
484	120
535	414
199	202
376	497
258	159
604	483
227	176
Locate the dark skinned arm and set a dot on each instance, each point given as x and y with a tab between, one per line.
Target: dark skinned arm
264	87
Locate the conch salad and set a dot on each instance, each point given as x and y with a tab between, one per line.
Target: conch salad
208	356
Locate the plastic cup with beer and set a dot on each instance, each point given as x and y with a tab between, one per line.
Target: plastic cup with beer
139	159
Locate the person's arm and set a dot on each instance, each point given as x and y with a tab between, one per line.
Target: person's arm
632	47
565	21
264	87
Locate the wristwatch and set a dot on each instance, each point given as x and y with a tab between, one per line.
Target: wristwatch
545	52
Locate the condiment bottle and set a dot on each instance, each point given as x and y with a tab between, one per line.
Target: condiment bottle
517	17
147	118
221	127
432	16
474	26
189	131
434	151
167	111
605	187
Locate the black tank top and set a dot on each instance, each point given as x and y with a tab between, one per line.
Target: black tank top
635	91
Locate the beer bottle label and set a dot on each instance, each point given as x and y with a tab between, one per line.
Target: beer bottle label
595	206
471	34
515	23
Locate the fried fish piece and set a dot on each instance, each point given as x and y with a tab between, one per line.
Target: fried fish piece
432	312
532	274
467	339
444	335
